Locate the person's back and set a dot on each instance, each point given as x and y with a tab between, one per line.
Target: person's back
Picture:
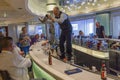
12	62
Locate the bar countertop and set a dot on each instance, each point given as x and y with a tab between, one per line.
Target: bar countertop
58	67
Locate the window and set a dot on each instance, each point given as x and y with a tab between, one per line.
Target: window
75	27
31	29
89	28
116	26
3	30
38	30
78	25
19	28
85	25
57	30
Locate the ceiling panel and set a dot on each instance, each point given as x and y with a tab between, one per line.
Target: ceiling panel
12	11
90	6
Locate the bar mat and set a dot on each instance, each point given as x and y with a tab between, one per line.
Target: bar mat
73	71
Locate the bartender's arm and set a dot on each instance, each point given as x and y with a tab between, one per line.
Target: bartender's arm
60	20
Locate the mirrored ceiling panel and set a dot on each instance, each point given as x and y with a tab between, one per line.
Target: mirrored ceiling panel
75	7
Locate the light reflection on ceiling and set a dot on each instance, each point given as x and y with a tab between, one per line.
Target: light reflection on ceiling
75	7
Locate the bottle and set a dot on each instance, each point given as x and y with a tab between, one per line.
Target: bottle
50	58
103	72
98	45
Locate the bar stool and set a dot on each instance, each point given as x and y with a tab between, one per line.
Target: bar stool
4	75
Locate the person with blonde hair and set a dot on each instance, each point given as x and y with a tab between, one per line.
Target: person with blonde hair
24	40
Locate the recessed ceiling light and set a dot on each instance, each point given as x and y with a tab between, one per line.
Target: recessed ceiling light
79	7
69	8
65	6
98	4
82	3
88	3
90	0
20	8
86	7
95	0
105	0
93	4
63	10
67	2
5	14
71	4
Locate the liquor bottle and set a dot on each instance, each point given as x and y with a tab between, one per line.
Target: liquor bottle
103	72
98	45
50	58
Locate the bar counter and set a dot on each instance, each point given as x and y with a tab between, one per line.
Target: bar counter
56	70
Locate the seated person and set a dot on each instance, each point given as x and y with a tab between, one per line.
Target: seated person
118	37
12	61
115	45
42	36
110	36
18	49
80	34
44	42
35	38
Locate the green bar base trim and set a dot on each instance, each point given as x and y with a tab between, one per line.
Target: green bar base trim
40	73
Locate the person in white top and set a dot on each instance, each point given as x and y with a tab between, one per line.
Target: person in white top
12	61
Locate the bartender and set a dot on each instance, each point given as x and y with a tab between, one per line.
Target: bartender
66	30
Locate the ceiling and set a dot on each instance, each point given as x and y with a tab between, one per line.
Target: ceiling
13	11
75	7
16	11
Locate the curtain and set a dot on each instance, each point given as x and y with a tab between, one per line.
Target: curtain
85	25
116	26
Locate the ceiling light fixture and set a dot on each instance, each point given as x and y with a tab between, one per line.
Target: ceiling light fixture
105	0
5	14
98	4
20	8
80	5
88	3
93	4
86	7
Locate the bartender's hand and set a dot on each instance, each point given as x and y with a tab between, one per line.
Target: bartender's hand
44	42
50	17
27	56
